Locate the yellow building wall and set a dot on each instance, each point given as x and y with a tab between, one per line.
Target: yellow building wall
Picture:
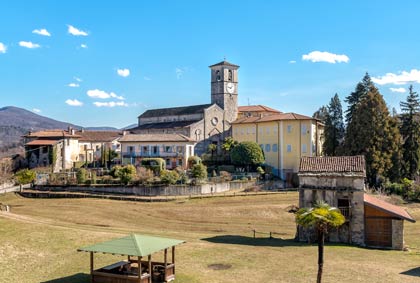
293	139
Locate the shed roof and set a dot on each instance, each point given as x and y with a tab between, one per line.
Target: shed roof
387	207
175	111
133	245
333	164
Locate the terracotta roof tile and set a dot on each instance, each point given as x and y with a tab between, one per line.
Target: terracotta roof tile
42	142
51	134
274	117
257	108
98	136
387	207
156	138
333	164
175	111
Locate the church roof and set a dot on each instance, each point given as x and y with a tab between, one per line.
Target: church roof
163	125
156	138
225	63
175	111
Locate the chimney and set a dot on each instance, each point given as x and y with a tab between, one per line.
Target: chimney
82	130
125	133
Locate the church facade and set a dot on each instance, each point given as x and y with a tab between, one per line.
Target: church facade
206	123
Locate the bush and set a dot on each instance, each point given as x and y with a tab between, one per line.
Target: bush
183	178
247	154
25	176
199	171
144	175
193	160
126	173
260	170
81	175
169	177
114	170
225	176
154	164
94	179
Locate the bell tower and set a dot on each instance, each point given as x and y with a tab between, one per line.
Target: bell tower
224	88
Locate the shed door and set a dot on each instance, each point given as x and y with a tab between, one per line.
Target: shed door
378	232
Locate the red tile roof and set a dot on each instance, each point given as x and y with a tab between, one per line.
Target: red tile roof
156	138
42	142
333	164
387	207
257	108
98	136
51	134
274	117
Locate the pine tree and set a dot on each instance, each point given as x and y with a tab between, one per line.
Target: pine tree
371	132
354	98
321	114
334	127
410	128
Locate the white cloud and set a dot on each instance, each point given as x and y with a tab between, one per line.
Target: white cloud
83	45
76	32
123	72
179	72
29	44
74	102
402	78
77	79
147	79
292	62
36	110
399	89
42	31
73	85
3	48
110	104
96	93
318	56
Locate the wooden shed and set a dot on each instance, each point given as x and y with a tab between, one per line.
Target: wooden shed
384	223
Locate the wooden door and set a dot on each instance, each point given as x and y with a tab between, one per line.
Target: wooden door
378	232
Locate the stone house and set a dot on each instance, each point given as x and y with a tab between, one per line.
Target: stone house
339	181
206	123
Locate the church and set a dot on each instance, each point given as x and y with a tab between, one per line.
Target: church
207	123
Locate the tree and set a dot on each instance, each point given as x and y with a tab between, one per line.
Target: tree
169	177
371	132
81	175
334	127
229	144
321	114
199	171
321	217
354	98
25	176
410	131
247	154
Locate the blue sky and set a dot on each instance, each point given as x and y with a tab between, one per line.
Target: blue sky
106	62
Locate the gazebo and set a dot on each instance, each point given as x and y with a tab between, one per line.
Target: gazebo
134	269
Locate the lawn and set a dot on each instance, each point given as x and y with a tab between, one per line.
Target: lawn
39	239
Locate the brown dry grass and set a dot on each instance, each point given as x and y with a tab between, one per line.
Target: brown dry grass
40	237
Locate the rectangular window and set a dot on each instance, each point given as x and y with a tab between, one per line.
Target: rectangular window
168	149
267	147
267	130
262	147
275	129
179	149
179	162
242	131
168	162
304	148
155	149
260	130
274	147
289	148
289	128
303	129
247	131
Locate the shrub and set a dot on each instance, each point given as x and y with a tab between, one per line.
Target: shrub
169	177
247	154
199	171
260	170
81	175
114	170
126	173
193	160
144	175
25	176
94	179
154	164
183	178
225	176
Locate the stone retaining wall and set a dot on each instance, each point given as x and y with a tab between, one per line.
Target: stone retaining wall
175	190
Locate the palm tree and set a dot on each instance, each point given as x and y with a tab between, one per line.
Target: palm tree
321	217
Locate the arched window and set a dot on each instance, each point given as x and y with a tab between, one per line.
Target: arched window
218	75
230	75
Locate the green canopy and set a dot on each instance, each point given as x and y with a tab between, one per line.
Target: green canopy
133	245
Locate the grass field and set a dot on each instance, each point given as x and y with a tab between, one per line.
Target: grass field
39	238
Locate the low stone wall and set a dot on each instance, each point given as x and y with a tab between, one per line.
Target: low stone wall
175	190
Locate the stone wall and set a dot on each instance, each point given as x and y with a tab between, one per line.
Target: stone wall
207	188
397	234
345	181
